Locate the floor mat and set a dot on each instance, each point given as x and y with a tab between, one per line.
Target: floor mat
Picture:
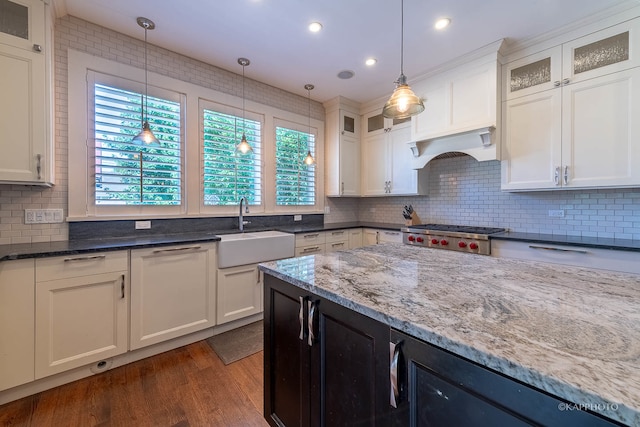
238	343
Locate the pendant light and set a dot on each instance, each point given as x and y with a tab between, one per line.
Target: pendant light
309	160
403	102
145	137
243	146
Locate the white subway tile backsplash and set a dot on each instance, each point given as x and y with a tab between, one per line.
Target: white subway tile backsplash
464	191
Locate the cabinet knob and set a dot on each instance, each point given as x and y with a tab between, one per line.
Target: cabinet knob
557	83
37	48
565	81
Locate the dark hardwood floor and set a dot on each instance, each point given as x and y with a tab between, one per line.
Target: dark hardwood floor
188	386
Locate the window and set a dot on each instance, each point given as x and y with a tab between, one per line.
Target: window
295	181
228	174
131	174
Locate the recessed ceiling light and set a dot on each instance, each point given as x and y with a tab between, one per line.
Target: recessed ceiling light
442	23
314	27
370	61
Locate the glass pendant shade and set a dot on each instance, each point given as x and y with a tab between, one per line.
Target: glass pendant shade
309	160
244	147
146	137
403	102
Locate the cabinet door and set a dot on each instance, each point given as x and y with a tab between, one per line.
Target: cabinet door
435	119
22	115
17	322
80	320
369	237
349	124
532	146
286	355
603	52
355	238
349	166
239	293
601	131
439	388
172	292
534	73
375	159
24	141
389	236
404	179
349	366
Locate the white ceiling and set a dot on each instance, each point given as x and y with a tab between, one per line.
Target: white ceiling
273	34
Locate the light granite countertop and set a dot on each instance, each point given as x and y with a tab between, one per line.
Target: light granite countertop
570	331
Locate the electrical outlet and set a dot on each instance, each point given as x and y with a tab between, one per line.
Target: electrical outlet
297	217
556	213
42	216
143	225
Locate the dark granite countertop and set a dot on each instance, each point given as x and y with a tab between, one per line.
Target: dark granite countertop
79	246
340	226
74	247
590	242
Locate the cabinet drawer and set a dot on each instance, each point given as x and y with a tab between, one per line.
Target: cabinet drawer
310	250
337	246
308	239
336	236
81	265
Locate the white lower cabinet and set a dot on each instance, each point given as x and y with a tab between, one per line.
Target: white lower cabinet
355	238
239	292
369	237
17	328
372	236
172	292
336	240
81	307
310	243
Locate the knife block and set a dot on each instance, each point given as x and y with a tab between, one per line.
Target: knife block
415	219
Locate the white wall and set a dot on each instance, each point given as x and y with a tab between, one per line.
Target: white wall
464	191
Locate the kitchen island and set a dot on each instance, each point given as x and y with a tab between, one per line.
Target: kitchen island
571	332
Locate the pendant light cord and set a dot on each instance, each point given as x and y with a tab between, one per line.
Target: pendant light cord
243	114
145	113
401	37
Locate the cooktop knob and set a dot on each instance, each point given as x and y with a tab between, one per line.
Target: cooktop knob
419	239
444	242
462	244
411	238
473	245
434	241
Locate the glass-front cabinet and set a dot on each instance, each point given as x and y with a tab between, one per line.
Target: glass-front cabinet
600	53
569	112
25	104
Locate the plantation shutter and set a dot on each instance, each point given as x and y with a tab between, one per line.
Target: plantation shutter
228	174
295	181
127	173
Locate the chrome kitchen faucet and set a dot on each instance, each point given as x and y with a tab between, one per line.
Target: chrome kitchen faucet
241	221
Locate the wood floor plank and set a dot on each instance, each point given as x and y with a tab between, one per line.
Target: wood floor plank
185	387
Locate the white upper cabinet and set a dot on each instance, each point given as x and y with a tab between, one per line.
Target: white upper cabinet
25	104
386	158
569	114
342	148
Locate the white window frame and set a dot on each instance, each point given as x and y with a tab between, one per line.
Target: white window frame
249	115
301	125
79	63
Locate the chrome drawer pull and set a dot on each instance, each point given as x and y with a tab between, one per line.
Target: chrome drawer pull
308	236
559	249
311	249
394	354
85	258
188	248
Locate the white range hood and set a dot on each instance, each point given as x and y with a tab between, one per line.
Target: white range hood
479	144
